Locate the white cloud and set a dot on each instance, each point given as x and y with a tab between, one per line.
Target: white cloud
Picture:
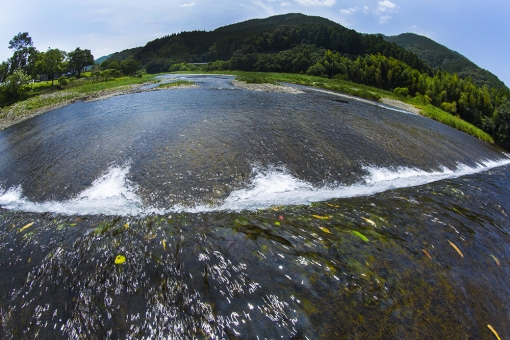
313	3
188	5
349	11
386	5
384	19
383	8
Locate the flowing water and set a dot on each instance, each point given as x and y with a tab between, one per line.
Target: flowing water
218	212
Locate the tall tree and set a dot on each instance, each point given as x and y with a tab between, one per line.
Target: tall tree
25	54
52	63
21	41
79	59
130	66
4	71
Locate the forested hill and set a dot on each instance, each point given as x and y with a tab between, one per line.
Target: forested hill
270	35
438	56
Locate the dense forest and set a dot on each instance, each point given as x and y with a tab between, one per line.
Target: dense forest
440	57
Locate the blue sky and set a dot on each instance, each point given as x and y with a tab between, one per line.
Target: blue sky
480	30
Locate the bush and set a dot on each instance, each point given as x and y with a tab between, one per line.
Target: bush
317	70
140	73
63	81
449	107
401	91
182	67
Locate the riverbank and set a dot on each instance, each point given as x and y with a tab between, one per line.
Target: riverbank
35	106
267	87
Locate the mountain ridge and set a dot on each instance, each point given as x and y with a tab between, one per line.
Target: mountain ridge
438	56
222	43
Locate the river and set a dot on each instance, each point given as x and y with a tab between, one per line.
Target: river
220	212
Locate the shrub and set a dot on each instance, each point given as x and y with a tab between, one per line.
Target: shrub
401	91
63	81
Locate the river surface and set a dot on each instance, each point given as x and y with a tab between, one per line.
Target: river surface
219	212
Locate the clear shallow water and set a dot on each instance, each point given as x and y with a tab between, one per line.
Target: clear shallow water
243	214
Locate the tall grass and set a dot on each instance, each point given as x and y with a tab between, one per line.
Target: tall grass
446	118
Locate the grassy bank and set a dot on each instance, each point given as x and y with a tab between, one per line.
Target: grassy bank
43	97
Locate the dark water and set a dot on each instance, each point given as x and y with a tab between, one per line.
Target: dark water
243	214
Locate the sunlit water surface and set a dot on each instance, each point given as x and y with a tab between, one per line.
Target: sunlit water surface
217	212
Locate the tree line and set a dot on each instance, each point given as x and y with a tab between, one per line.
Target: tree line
28	64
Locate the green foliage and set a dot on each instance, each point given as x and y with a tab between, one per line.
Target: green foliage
176	83
180	67
105	75
502	124
79	59
401	91
455	122
273	35
256	79
4	71
52	63
440	57
25	55
140	73
63	81
449	107
15	83
130	66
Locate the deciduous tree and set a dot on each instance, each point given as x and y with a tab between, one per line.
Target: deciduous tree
52	63
79	59
15	83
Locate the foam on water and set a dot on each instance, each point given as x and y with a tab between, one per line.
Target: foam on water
110	194
275	186
114	194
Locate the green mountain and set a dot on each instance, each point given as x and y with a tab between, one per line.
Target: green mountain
438	56
267	36
103	58
288	31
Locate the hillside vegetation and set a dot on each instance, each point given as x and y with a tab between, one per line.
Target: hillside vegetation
438	56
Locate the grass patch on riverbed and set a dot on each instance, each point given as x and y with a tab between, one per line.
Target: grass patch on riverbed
256	79
177	83
113	83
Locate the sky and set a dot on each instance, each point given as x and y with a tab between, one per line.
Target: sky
479	30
